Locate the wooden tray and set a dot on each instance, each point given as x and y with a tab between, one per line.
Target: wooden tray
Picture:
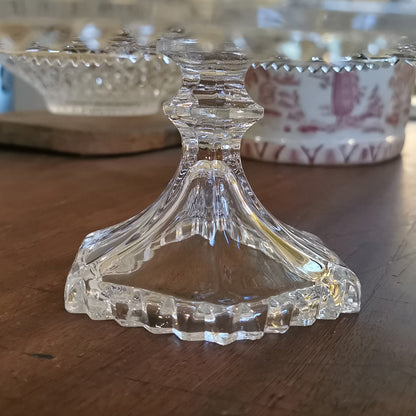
87	135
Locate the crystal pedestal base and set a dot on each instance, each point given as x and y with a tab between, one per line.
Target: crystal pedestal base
207	261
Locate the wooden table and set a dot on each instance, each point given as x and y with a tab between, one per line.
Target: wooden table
55	363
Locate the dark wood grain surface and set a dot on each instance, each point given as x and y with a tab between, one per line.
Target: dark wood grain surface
55	363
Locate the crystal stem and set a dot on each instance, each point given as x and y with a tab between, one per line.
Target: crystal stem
213	110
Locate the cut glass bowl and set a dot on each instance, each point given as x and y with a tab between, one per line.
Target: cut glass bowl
116	82
207	261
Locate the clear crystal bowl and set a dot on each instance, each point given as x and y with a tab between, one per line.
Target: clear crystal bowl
76	80
207	261
299	29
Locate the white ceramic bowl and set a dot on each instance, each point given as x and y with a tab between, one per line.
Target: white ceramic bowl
319	114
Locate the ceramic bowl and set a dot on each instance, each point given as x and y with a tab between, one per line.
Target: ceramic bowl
319	114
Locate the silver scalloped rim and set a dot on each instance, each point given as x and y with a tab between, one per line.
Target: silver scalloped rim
325	67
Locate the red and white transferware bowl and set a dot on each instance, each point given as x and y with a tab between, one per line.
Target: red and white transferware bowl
320	114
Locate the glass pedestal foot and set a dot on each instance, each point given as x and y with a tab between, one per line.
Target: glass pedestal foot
207	261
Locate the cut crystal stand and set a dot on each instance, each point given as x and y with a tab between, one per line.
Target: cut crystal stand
206	261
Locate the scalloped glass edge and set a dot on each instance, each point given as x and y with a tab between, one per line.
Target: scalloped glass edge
298	29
